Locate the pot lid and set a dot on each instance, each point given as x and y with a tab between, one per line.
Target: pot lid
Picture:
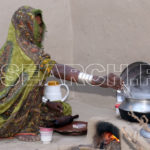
137	78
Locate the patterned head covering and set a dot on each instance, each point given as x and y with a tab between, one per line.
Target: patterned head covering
27	31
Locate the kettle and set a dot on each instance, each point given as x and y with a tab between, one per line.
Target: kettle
52	91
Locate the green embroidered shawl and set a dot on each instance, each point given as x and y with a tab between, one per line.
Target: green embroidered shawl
20	58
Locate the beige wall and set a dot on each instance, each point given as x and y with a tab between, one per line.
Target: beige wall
109	31
90	31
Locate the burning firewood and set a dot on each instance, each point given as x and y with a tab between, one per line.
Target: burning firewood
106	136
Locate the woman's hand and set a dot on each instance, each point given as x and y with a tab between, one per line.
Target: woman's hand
57	106
110	81
113	81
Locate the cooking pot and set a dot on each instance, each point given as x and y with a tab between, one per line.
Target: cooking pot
135	77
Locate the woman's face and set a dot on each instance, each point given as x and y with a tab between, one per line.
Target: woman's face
41	30
40	23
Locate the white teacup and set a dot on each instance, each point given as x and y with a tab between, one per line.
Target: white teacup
53	92
46	135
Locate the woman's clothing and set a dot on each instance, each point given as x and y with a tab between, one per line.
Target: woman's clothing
24	68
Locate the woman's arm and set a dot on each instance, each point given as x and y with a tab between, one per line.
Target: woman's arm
65	72
68	73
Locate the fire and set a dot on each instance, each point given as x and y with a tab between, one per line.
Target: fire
114	138
109	137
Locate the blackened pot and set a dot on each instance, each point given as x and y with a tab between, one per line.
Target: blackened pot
140	107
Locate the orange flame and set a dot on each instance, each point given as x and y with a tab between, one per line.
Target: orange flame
114	138
109	137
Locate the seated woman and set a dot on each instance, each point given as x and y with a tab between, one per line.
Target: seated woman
24	69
